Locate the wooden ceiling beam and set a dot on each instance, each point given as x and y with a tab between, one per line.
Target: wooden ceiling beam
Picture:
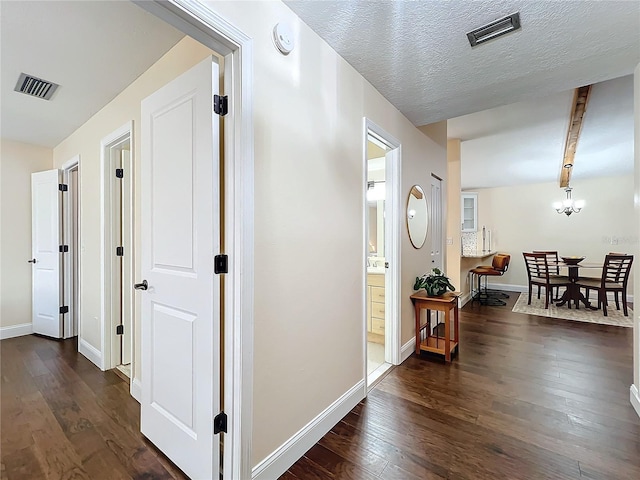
580	100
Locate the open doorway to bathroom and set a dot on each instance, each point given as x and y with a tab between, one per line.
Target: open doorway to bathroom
382	158
377	261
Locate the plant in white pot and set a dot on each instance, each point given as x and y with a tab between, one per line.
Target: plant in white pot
436	283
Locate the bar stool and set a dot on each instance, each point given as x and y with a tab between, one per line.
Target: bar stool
499	265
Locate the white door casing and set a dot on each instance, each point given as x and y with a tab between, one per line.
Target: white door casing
45	260
127	261
436	223
392	214
180	311
393	167
70	259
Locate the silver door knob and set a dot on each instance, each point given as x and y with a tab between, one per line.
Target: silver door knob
141	286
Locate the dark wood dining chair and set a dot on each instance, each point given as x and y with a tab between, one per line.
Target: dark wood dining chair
539	275
554	268
615	277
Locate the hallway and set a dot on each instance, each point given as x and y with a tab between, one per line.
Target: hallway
527	398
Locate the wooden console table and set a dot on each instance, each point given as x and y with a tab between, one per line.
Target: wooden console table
435	343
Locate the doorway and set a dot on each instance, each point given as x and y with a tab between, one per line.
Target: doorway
71	247
237	170
117	238
376	195
382	159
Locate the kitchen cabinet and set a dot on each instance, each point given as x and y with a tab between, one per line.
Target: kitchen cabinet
469	212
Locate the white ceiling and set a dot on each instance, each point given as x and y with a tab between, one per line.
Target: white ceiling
524	142
92	49
417	55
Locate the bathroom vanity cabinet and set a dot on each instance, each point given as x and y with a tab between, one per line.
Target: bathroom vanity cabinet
375	303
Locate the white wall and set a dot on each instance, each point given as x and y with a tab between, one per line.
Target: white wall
17	162
521	219
86	142
309	247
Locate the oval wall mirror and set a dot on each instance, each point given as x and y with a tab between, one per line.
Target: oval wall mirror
417	216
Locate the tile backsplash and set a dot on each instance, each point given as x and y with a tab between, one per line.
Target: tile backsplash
469	242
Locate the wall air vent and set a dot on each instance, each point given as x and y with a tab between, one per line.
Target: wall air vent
495	29
36	87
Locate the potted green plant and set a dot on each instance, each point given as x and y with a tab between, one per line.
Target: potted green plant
435	283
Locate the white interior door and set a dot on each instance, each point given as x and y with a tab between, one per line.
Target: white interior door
180	236
45	241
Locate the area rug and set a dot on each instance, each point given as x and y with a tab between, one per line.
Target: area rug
614	317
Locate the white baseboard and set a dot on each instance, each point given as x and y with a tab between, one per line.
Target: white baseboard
136	389
508	287
91	352
16	331
464	299
407	349
635	398
293	449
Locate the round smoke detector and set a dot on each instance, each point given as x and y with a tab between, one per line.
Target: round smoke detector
283	38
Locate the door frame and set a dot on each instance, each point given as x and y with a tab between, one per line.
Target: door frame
439	221
392	246
70	328
109	341
201	23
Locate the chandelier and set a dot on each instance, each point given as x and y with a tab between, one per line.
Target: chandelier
568	206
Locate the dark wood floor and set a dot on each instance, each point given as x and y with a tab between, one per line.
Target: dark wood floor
527	398
62	418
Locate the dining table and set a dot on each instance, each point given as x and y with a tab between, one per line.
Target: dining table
573	293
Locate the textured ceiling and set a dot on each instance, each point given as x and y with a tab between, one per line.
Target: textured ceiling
524	142
92	49
521	85
417	54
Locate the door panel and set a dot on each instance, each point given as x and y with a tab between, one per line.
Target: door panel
45	239
180	236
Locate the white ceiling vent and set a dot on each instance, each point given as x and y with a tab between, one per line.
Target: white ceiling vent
495	29
36	87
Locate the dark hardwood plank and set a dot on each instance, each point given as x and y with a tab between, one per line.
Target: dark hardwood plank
22	464
64	418
526	398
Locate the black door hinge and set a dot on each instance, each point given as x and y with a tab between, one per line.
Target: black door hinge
119	173
220	264
220	423
64	248
120	330
220	105
119	251
64	310
63	187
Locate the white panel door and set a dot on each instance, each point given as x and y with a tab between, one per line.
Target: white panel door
180	236
45	243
